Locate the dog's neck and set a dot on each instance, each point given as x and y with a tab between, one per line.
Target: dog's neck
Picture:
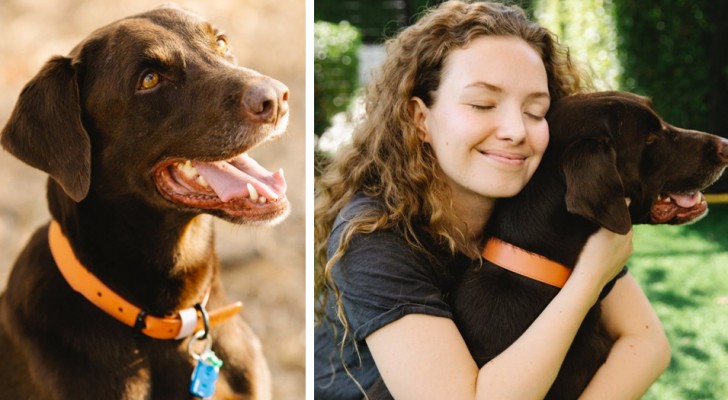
167	260
539	210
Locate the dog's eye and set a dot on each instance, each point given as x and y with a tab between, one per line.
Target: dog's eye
652	137
149	81
221	45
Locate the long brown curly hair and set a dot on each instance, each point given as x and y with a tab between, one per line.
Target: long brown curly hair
387	160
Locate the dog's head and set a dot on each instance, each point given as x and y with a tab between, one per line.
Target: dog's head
154	108
614	145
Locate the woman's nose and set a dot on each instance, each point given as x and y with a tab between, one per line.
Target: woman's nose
512	126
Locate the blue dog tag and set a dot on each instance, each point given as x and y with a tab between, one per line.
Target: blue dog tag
205	375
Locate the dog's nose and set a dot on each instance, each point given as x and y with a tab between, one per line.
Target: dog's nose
266	101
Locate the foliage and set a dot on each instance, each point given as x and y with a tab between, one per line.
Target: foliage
587	28
335	70
683	271
663	47
376	19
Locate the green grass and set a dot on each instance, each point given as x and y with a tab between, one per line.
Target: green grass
684	271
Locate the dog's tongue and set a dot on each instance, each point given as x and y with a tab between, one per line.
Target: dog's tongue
686	200
230	179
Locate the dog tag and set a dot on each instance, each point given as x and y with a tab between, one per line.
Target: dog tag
205	375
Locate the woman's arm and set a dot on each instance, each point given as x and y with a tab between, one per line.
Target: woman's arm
425	357
641	351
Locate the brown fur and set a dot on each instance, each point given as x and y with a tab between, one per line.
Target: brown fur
83	120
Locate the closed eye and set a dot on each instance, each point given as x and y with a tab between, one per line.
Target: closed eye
481	107
535	117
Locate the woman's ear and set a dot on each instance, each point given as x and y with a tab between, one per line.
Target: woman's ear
418	110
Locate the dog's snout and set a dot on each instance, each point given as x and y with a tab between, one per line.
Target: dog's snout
265	101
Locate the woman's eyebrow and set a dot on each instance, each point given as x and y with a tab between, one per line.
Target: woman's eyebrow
539	95
484	85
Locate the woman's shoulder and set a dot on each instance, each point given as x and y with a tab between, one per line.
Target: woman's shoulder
384	238
387	250
358	205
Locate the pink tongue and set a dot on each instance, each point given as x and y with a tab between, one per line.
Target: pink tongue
229	179
686	200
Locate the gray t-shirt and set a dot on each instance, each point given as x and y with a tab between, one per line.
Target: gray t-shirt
381	278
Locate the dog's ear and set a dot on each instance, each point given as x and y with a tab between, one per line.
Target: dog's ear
593	187
45	129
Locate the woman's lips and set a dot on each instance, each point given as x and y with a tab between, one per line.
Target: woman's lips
505	157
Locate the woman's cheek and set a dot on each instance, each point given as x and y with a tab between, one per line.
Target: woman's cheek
541	137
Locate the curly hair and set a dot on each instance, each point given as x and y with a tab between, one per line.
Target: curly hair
386	159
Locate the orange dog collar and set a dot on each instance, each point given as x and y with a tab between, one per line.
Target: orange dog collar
531	265
178	326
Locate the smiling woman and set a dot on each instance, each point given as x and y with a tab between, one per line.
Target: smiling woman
487	131
454	122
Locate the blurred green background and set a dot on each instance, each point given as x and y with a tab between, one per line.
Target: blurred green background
674	51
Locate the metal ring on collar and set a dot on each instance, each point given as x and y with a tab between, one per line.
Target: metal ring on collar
205	319
198	336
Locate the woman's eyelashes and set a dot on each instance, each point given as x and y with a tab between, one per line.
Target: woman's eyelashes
481	107
536	115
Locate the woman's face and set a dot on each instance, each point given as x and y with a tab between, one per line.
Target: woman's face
487	125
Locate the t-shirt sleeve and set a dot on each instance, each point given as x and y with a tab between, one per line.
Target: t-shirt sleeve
381	279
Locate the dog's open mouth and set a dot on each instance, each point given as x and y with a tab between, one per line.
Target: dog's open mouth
678	209
239	187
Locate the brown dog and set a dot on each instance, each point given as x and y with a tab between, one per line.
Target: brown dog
144	130
603	147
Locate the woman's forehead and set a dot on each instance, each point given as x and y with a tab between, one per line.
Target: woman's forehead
495	63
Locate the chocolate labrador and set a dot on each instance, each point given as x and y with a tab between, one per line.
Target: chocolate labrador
144	130
603	147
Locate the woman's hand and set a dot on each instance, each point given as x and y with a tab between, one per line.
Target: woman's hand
603	257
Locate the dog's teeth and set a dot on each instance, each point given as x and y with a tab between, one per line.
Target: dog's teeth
262	200
201	180
253	192
668	199
187	169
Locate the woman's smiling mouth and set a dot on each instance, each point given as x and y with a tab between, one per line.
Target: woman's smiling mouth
505	157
